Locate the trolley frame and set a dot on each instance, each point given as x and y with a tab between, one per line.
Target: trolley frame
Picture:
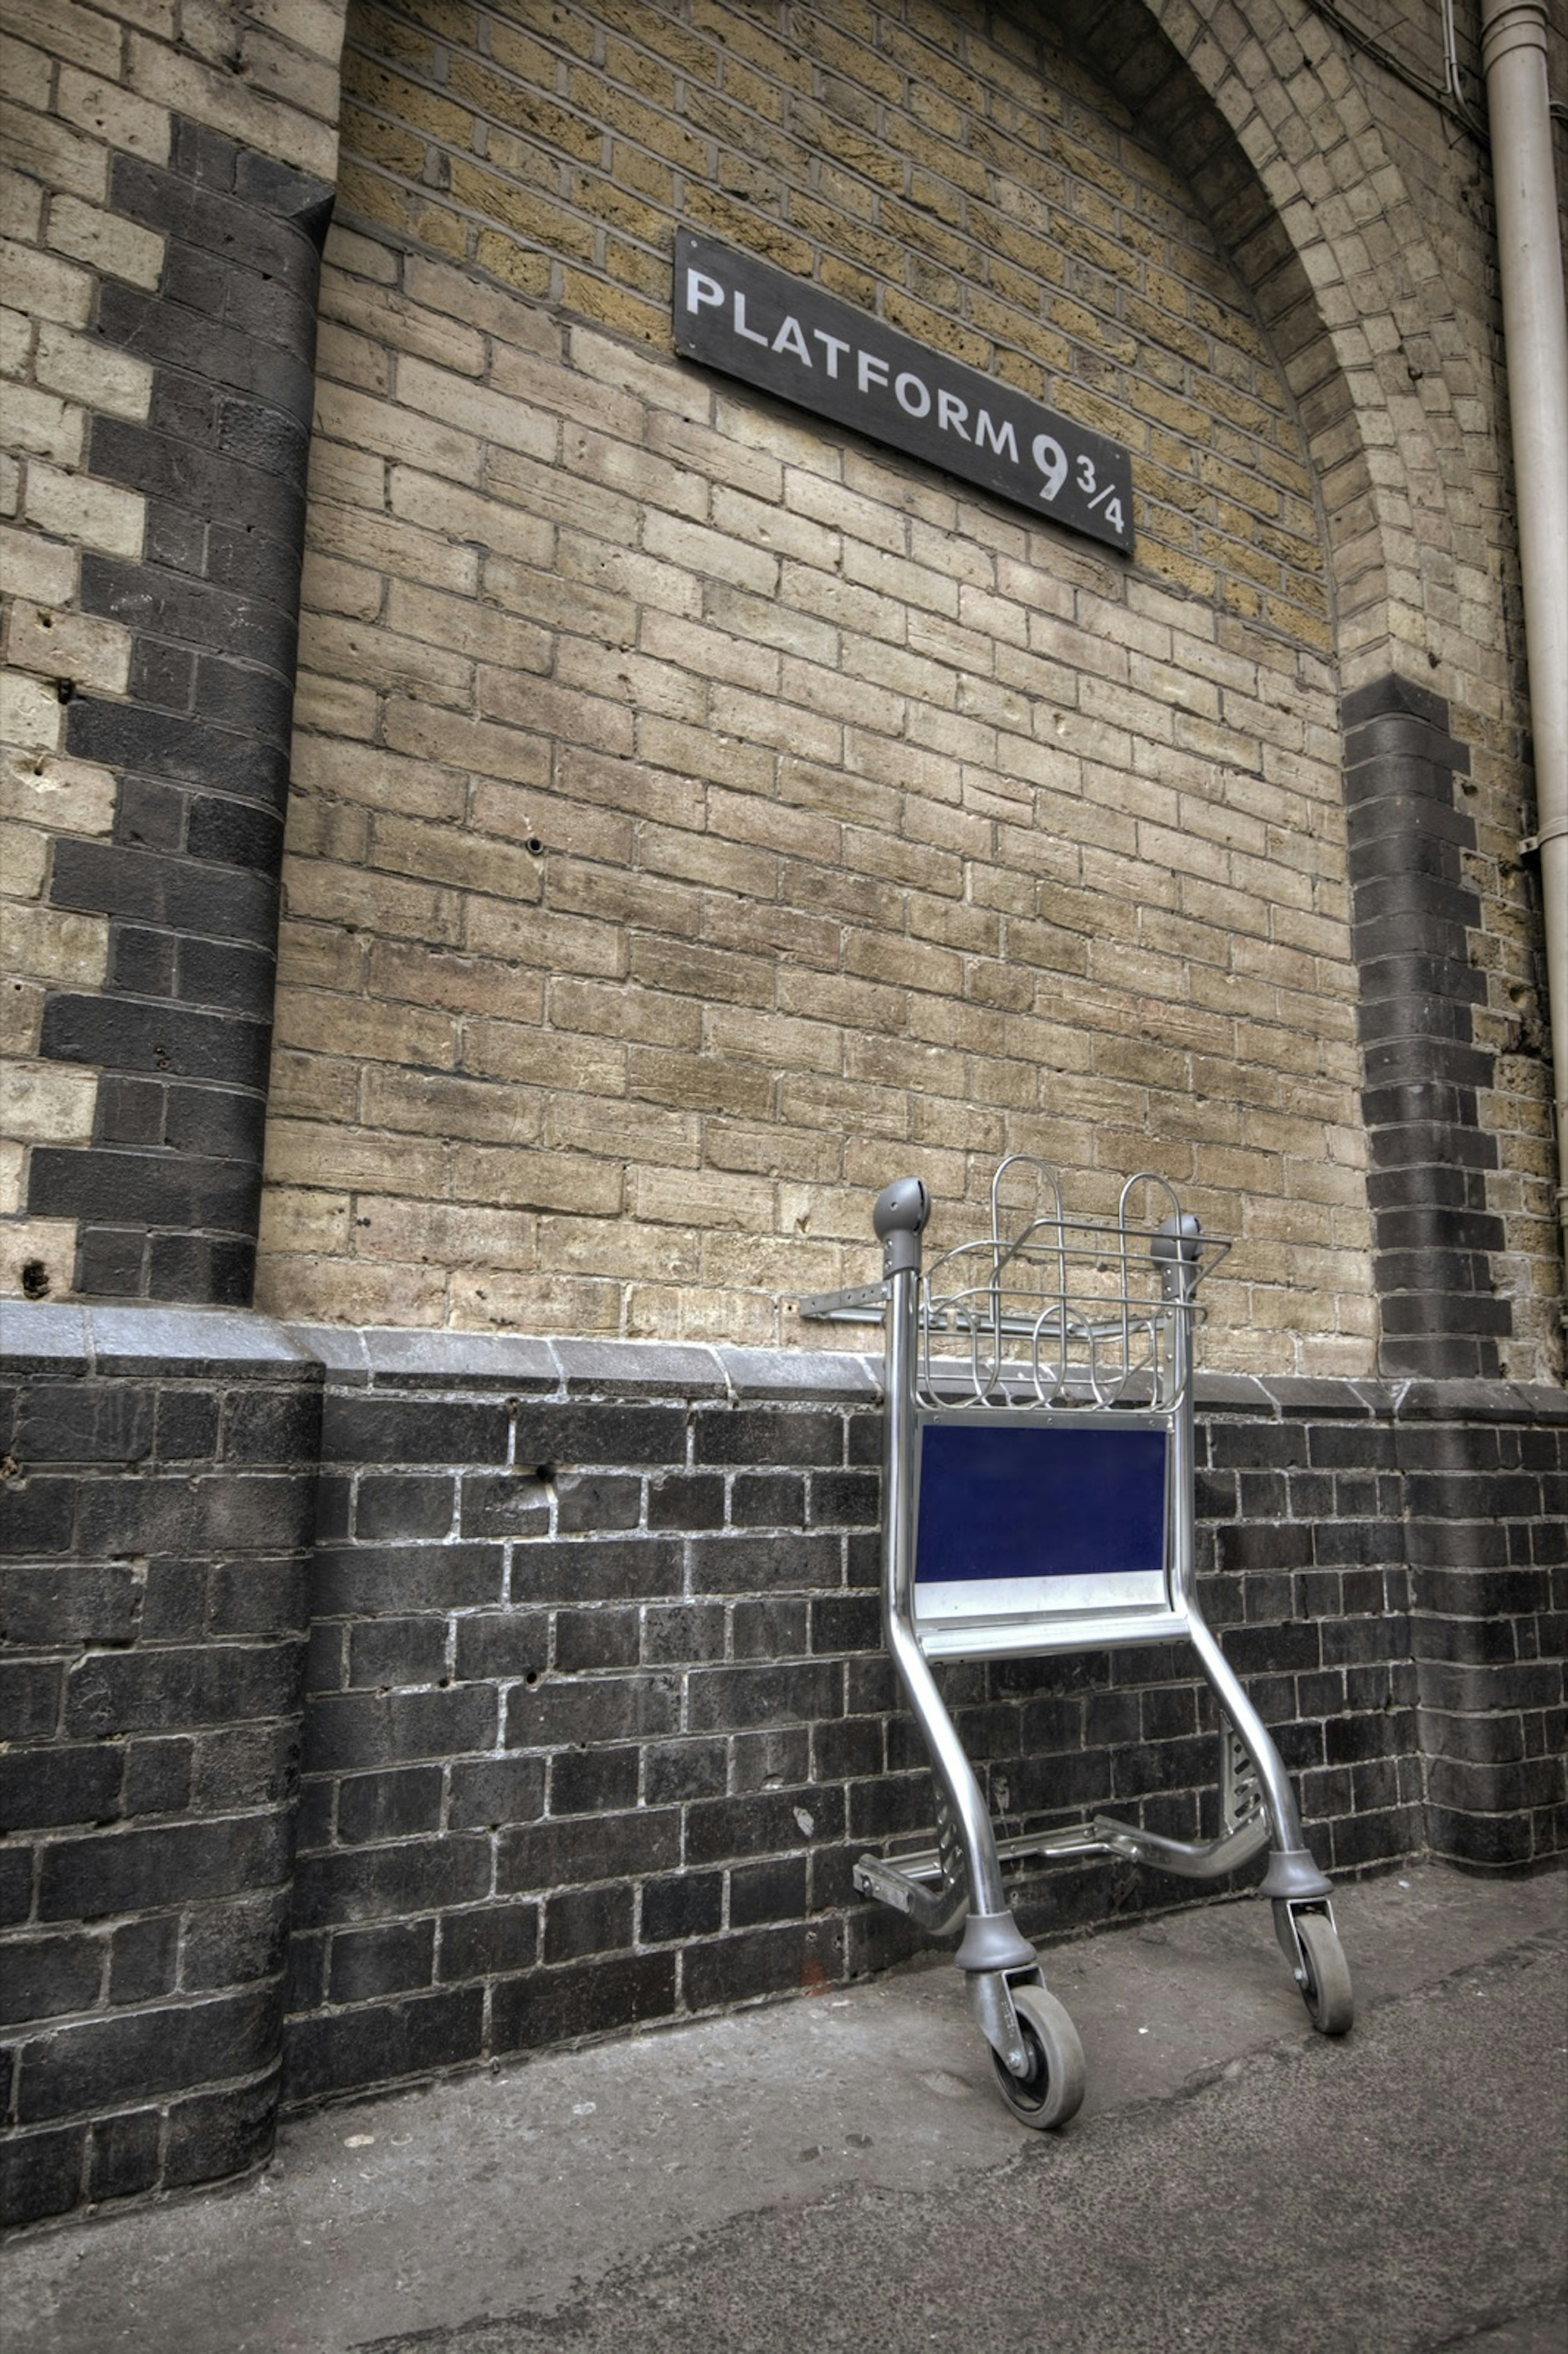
1068	1325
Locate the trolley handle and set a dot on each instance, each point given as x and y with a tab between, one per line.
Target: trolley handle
899	1217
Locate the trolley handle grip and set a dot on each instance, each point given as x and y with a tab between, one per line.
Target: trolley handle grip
899	1217
1177	1238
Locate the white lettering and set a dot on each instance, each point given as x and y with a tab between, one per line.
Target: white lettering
916	401
702	291
741	326
1052	461
1002	438
834	346
870	370
950	414
791	339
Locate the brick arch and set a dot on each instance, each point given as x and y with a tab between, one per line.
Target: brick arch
1371	348
1354	333
1278	147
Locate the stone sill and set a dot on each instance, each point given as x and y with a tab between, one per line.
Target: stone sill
58	1340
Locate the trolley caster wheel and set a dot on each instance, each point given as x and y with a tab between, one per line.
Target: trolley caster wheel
1053	2089
1326	1989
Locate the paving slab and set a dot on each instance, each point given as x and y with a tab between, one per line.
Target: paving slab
837	2169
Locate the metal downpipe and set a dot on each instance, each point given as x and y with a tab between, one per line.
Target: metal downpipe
1535	335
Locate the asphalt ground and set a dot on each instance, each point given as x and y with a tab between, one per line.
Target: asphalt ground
838	2172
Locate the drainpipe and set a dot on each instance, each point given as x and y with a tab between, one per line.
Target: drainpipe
1535	335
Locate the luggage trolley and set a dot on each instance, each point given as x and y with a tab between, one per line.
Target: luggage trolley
1038	1499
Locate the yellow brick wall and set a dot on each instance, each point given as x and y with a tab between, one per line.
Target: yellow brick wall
701	816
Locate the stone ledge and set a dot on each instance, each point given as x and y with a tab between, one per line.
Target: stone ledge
399	1357
193	1342
184	1342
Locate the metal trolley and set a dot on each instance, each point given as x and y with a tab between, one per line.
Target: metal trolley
1038	1499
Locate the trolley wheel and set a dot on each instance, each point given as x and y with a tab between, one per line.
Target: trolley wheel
1053	2089
1327	1992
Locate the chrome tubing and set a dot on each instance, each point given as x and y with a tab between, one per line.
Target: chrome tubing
992	1940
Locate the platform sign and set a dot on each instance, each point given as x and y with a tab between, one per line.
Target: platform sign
756	322
1017	1518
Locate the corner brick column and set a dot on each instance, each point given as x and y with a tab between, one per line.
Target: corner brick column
168	1193
1411	915
161	1459
157	1511
1484	1487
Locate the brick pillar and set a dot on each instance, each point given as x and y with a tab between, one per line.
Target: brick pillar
1433	1233
158	1516
167	1194
160	1459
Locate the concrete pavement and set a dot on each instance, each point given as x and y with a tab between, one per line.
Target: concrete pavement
837	2172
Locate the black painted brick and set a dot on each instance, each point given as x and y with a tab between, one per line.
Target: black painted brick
383	2043
548	2007
579	1921
397	1652
173	747
121	1872
363	1729
46	1787
40	2174
762	1961
408	1431
607	1637
567	1852
391	1959
352	1581
600	1569
687	1905
746	1564
108	879
487	1792
504	1644
487	1940
98	2064
371	1884
504	1504
130	1189
593	1781
124	2154
129	1035
375	1807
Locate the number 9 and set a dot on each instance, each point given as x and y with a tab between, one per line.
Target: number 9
1052	461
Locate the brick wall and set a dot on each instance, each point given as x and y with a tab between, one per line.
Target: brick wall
169	290
720	806
596	1715
992	822
159	1487
694	818
599	1716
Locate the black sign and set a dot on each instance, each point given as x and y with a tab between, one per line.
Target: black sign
772	330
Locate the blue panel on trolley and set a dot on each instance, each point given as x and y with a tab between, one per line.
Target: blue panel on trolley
1030	1500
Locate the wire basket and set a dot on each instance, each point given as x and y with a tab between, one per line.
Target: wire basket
1052	1310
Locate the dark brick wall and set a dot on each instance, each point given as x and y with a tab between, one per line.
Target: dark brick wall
597	1716
167	1194
592	1723
1413	915
159	1490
